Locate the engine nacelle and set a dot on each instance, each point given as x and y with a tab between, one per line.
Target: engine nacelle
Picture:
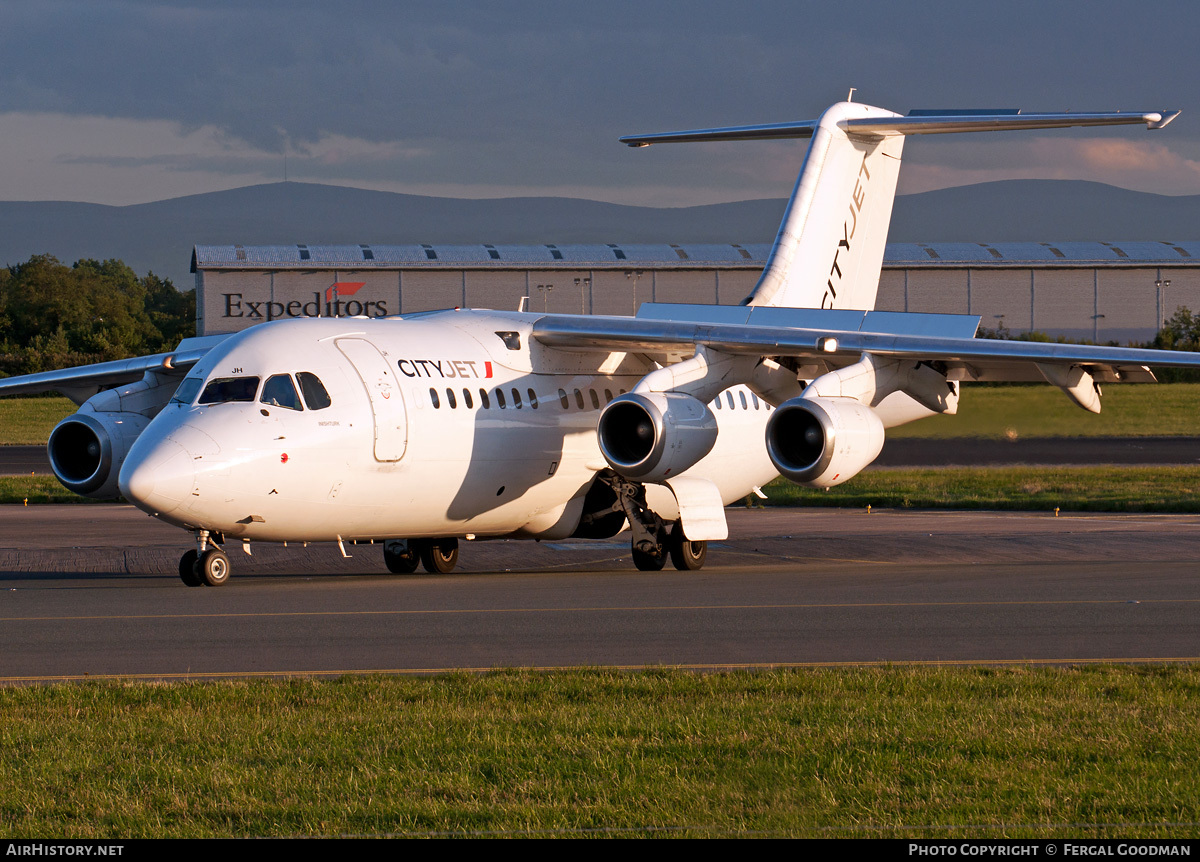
87	449
655	436
822	442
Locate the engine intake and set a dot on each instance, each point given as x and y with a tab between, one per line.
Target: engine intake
87	449
822	442
655	436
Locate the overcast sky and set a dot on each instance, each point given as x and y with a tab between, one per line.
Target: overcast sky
126	102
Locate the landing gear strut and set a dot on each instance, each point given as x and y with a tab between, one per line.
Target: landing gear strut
653	540
207	565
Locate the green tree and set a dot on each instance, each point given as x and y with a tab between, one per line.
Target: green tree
52	315
1181	331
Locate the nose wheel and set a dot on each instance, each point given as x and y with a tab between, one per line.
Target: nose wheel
206	566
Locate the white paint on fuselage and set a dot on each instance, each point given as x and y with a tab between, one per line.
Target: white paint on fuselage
263	472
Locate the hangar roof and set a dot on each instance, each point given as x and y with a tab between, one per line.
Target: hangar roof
680	255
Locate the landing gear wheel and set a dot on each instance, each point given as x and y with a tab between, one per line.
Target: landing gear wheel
401	562
439	556
213	567
187	569
650	561
686	556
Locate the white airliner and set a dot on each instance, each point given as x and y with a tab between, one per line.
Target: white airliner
419	430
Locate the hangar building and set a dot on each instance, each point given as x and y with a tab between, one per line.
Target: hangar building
1091	290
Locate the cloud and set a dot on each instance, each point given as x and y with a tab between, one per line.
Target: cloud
121	161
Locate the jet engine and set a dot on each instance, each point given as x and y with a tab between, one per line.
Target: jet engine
86	450
655	436
822	442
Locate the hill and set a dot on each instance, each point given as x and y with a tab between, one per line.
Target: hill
159	236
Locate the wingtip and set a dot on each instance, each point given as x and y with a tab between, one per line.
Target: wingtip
1164	119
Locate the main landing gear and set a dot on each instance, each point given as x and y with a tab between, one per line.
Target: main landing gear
207	565
436	556
654	540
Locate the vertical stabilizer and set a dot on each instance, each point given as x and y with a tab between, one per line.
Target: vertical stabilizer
829	249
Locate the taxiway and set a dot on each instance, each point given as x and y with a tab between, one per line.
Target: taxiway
91	590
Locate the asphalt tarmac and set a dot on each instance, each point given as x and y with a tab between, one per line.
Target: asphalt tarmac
92	591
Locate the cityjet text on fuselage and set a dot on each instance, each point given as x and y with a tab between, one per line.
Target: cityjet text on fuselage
446	369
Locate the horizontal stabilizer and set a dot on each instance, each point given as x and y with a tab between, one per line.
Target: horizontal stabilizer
771	132
920	122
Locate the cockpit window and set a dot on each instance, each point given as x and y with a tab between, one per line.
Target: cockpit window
186	393
225	389
281	392
315	395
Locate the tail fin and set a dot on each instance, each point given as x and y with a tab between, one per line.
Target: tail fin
829	249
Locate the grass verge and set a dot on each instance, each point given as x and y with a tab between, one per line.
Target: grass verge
21	490
894	752
1042	411
29	421
1080	489
986	411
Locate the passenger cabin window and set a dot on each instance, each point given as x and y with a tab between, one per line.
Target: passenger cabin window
532	398
729	398
187	391
467	398
500	398
595	400
579	399
313	390
226	389
483	399
279	391
516	393
742	396
608	396
450	399
433	397
562	397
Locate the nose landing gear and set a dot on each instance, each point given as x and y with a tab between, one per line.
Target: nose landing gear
205	566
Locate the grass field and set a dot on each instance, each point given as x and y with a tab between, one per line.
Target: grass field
1080	489
1042	411
892	752
984	411
29	421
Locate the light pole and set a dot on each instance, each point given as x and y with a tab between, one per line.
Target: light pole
583	284
545	290
1161	297
635	274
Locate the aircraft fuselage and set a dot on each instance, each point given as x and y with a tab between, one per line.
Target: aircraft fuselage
448	424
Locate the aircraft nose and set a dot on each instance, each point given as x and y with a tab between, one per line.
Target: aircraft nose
158	480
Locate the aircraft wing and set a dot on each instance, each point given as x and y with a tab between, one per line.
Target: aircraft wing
830	339
84	381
